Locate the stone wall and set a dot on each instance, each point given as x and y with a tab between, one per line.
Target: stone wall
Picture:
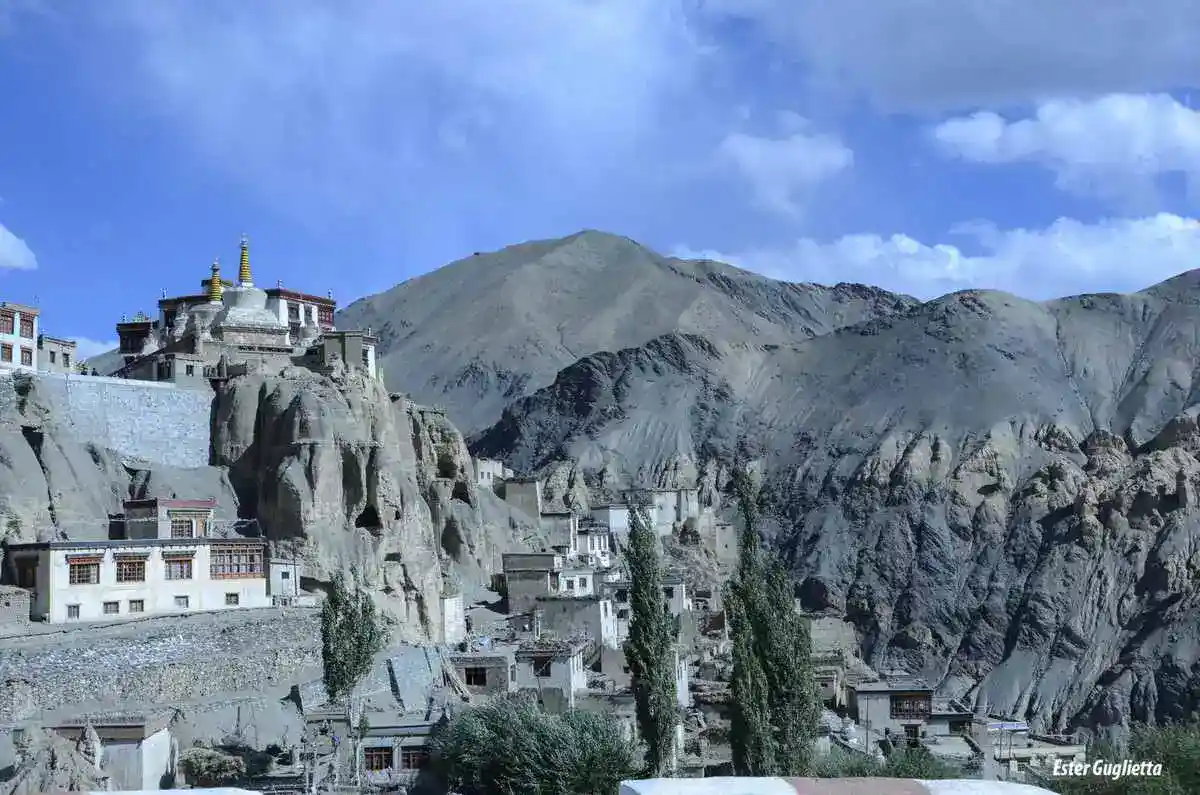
144	421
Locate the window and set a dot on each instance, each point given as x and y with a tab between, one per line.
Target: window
51	357
190	369
583	583
622	613
570	585
910	705
66	359
137	606
181	602
622	595
72	611
413	758
376	759
131	570
512	672
541	666
6	322
475	677
669	593
293	311
5	353
27	357
285	575
325	315
84	573
239	561
182	527
604	608
179	569
112	608
366	356
27	327
231	600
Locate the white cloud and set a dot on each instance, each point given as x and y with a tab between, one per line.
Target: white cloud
351	97
1109	145
782	172
1067	257
14	253
937	54
86	348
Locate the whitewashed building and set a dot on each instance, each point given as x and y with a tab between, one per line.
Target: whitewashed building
578	581
454	618
18	336
615	517
489	472
171	560
674	593
137	753
593	541
552	665
55	354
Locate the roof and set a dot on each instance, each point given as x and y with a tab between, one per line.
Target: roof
162	502
553	646
114	543
895	684
22	308
292	295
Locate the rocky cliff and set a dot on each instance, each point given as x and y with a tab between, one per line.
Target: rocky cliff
997	493
339	474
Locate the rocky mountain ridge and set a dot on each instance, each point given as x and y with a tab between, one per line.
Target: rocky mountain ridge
537	307
998	493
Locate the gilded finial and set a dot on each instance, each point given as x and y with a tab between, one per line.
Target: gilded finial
244	279
214	283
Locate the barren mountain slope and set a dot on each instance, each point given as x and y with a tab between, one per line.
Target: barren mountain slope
983	486
483	331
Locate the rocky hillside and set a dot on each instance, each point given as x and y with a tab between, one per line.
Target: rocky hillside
338	473
996	492
478	333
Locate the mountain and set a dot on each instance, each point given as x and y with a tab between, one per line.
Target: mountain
483	331
998	493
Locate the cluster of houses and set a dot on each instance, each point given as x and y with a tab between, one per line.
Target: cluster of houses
23	346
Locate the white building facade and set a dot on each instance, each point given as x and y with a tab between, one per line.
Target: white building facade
18	336
168	563
55	355
615	517
552	665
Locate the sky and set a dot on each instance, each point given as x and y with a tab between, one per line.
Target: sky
1044	148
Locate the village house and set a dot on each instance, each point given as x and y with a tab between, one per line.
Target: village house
284	584
486	671
616	668
135	752
905	707
490	473
55	355
614	516
593	543
524	494
569	616
668	509
554	670
14	608
18	335
528	575
171	559
578	580
674	592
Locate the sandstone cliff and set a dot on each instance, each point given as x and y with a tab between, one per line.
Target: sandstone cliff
997	493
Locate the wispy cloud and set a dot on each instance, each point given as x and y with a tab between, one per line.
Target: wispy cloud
14	252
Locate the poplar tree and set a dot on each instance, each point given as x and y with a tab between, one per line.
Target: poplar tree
351	634
649	651
774	696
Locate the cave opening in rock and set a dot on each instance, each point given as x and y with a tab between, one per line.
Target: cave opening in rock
368	519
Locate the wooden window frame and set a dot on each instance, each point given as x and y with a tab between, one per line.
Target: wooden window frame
26	326
26	356
137	605
180	561
73	570
378	759
6	352
476	672
116	611
8	322
126	565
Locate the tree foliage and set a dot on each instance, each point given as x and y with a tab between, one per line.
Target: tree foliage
916	763
351	634
510	747
1175	747
208	767
649	650
773	693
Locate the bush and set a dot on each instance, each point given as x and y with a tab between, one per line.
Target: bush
915	763
207	767
510	747
1175	747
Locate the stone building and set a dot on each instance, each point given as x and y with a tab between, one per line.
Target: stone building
529	575
486	671
553	669
589	616
55	355
18	336
169	558
228	325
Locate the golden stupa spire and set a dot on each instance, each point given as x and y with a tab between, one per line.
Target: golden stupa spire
214	283
244	279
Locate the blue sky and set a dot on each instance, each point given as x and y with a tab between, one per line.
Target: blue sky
922	145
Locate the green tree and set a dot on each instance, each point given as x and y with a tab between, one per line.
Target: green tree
773	693
1176	747
351	634
511	747
650	648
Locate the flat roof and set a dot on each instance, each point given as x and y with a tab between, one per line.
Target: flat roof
164	502
22	308
114	543
908	684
